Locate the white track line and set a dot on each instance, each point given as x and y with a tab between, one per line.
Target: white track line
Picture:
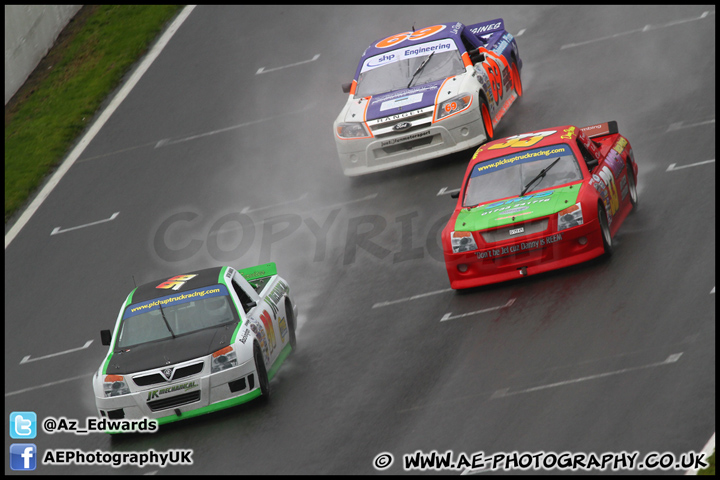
57	230
505	391
679	125
407	299
26	359
58	382
99	123
445	191
448	316
646	28
672	167
262	69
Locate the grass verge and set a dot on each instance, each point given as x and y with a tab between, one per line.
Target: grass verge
88	61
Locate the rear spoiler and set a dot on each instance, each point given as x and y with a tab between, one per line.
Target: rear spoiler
488	32
258	272
601	129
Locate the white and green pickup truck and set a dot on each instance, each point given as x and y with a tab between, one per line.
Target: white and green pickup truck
196	343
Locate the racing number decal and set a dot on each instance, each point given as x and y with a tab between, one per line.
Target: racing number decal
524	140
493	72
412	36
175	282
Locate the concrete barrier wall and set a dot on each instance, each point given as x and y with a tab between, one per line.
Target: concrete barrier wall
30	31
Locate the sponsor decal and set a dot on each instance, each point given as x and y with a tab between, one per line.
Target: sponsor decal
259	332
624	187
421	50
381	60
175	282
620	145
568	133
150	305
520	247
276	294
393	141
162	391
401	102
614	161
604	184
486	28
283	328
516	159
269	329
229	273
514	215
245	335
402	93
397	117
456	28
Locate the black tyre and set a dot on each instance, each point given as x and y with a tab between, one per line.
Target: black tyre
632	185
605	231
291	325
487	120
261	373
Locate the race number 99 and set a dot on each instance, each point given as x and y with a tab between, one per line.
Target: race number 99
412	36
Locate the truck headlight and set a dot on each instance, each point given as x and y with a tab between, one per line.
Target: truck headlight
570	217
453	105
462	242
223	359
351	130
115	385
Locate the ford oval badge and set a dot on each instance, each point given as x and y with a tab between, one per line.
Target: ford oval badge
402	126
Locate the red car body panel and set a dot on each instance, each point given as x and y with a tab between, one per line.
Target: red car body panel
605	183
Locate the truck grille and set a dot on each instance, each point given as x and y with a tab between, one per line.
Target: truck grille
154	378
503	233
176	401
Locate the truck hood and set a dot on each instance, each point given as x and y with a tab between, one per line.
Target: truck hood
517	209
173	350
396	102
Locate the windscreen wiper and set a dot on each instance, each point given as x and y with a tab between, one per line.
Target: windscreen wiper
422	65
166	322
539	176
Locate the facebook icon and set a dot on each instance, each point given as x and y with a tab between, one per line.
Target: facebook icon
23	456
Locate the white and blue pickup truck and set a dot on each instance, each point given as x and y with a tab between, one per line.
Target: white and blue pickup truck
427	93
196	343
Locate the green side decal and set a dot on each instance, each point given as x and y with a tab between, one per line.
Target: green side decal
260	271
231	402
517	209
281	358
112	342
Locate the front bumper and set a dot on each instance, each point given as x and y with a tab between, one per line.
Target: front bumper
367	155
524	256
195	395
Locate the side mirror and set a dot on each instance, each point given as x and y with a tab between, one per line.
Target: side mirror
346	87
476	56
105	337
455	195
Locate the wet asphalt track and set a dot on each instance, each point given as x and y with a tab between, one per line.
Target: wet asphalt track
582	360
